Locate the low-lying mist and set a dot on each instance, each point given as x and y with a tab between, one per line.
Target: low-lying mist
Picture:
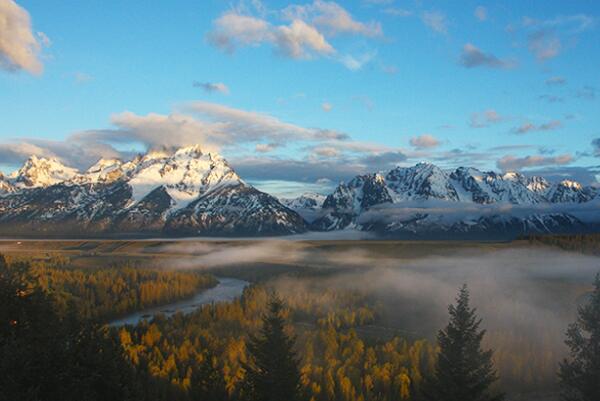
525	296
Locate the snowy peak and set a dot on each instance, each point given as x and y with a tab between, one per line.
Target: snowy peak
490	187
42	172
570	192
5	185
539	185
308	200
105	171
426	185
185	173
175	191
421	182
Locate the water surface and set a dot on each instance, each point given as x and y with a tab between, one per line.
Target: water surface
226	290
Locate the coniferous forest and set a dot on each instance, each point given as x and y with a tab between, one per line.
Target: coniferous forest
311	342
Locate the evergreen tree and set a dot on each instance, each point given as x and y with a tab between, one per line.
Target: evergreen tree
463	371
207	383
273	373
580	376
45	356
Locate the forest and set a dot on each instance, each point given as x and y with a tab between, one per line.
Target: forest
584	243
107	292
342	346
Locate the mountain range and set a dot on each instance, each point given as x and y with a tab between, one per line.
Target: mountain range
188	192
178	192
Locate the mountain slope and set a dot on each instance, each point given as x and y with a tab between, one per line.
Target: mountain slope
426	201
159	192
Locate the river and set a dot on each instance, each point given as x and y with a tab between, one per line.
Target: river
226	290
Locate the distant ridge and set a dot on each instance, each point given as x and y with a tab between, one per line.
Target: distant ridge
425	201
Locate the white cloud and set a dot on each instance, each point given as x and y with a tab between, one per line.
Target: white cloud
304	35
355	63
243	126
212	87
297	40
485	118
518	163
19	46
326	151
529	127
265	147
436	21
73	152
327	107
233	30
544	45
300	40
571	24
424	141
545	36
473	57
332	19
481	13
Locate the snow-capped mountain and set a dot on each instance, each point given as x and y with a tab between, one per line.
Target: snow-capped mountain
425	200
41	172
307	205
188	192
183	192
570	191
5	185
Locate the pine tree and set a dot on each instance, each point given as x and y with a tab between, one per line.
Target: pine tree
463	371
580	376
273	373
46	356
207	383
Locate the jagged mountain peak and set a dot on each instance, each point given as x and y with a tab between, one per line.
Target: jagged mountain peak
175	191
570	184
568	191
103	172
420	182
42	172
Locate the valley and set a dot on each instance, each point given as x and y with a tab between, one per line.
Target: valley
385	295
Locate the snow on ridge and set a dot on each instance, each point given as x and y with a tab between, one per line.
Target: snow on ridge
42	172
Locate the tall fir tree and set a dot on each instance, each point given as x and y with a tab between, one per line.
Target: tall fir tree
49	357
207	382
463	370
272	372
580	375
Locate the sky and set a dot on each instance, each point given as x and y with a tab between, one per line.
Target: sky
302	95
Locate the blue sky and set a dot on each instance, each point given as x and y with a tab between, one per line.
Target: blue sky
300	95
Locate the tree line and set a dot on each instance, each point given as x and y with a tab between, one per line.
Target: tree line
109	292
583	243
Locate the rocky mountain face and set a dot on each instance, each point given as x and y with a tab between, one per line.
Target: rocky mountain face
178	192
186	192
426	201
308	205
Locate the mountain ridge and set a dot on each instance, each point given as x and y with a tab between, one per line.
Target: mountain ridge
187	192
145	195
